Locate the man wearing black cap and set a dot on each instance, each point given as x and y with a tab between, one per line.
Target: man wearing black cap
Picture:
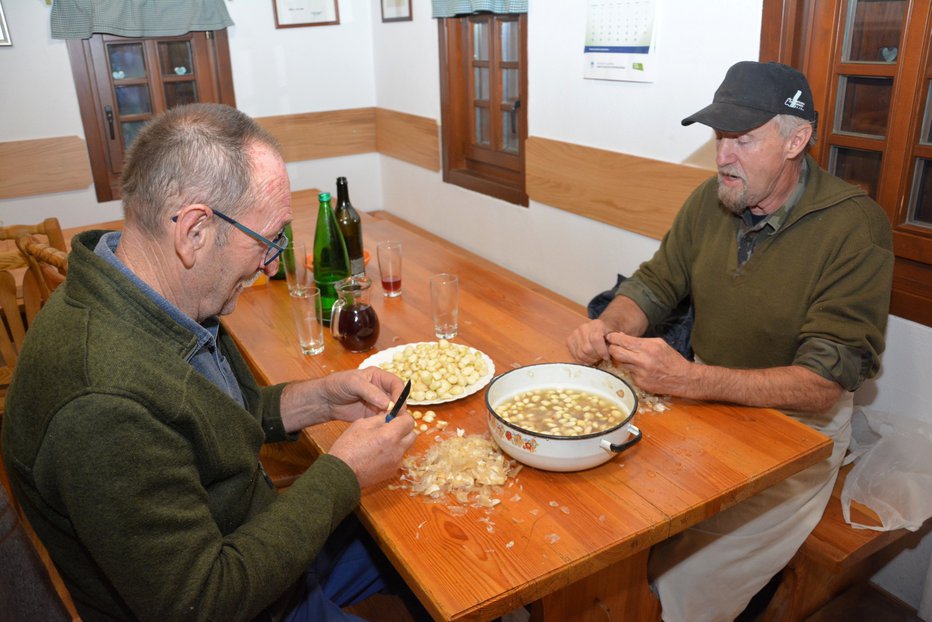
789	270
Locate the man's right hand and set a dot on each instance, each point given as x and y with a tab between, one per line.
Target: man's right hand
373	449
587	343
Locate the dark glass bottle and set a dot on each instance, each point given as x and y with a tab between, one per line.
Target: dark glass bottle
331	263
289	250
351	227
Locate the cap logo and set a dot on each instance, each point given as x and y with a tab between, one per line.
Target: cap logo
794	102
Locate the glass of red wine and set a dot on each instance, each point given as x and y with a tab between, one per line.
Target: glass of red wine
389	254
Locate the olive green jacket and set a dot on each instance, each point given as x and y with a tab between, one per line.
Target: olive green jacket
142	477
816	293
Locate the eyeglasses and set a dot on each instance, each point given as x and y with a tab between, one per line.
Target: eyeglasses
275	247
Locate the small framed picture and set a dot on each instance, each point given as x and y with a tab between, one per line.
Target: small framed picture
4	31
396	10
295	13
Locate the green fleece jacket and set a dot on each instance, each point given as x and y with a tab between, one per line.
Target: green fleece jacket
142	477
816	293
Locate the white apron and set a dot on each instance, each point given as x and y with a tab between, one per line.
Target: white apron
710	572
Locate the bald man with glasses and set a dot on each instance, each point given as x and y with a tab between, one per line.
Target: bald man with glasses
134	450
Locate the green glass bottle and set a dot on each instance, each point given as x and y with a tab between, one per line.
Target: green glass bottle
331	263
350	227
289	250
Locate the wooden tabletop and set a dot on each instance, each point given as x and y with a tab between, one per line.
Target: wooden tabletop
575	542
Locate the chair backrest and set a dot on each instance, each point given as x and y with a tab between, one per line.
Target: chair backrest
48	227
46	268
13	330
11	258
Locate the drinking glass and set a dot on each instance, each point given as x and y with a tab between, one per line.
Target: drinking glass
294	262
389	254
444	304
308	316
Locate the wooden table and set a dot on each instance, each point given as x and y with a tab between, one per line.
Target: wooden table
575	542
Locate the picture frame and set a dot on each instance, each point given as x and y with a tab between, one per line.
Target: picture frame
298	13
4	31
396	10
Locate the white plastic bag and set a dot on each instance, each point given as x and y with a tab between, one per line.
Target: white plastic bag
892	474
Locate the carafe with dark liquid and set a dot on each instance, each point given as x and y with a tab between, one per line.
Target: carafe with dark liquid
354	322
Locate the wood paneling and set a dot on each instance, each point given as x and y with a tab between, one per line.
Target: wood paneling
408	137
315	135
43	166
636	194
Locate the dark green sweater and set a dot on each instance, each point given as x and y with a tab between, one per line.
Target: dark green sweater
142	477
816	293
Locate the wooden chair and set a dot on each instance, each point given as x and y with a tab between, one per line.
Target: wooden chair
46	268
12	331
50	228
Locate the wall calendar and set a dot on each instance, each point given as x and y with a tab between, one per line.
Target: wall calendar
620	39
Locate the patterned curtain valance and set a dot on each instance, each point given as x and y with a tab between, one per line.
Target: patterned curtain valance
79	19
449	8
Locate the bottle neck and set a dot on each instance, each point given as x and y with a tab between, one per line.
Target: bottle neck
342	193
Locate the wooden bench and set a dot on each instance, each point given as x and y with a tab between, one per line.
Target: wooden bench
834	557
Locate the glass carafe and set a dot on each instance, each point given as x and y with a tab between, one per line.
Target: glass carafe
354	322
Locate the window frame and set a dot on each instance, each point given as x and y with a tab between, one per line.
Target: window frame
491	171
95	90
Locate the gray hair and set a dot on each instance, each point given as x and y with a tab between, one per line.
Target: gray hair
788	124
197	153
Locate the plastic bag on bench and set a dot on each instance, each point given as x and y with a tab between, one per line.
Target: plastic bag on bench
892	474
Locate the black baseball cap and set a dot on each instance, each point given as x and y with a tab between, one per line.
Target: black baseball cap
754	93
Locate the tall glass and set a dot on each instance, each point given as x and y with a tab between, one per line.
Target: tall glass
306	308
389	255
444	304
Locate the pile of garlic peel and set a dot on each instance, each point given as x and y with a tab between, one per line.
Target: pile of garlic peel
467	469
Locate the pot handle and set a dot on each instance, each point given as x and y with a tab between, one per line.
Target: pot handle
638	435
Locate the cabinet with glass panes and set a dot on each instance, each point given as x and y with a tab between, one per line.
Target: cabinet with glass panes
123	82
870	66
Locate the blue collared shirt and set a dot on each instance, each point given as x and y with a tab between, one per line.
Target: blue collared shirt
206	358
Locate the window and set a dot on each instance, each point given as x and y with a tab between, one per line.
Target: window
483	82
123	82
869	63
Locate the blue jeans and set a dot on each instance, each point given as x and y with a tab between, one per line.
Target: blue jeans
349	569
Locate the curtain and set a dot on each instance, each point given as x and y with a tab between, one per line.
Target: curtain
449	8
79	19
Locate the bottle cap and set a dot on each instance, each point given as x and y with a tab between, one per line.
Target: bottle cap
324	196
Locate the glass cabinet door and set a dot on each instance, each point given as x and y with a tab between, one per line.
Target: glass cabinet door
144	77
481	46
919	208
865	75
179	82
510	71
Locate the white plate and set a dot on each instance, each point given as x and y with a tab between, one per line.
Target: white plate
386	356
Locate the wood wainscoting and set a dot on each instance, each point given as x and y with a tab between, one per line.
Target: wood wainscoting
633	193
43	166
629	192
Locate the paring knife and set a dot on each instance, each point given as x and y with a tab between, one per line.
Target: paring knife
401	402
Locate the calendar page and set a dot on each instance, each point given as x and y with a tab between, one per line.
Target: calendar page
620	40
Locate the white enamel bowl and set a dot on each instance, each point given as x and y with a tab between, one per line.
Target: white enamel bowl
561	453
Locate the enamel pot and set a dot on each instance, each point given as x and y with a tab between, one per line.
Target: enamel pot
561	453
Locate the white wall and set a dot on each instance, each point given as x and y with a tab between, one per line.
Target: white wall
364	62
